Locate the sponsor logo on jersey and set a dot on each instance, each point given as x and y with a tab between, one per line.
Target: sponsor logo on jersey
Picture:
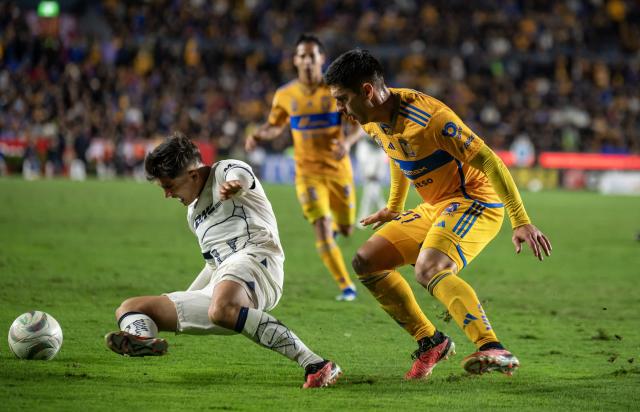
206	212
452	130
468	142
391	146
423	183
315	121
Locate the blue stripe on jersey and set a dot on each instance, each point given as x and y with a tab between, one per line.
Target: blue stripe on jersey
412	107
414	169
464	260
416	115
315	121
410	117
466	195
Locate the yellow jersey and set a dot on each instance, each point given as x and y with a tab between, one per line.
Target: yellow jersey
315	122
431	146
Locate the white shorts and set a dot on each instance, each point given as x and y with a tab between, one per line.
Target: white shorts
257	270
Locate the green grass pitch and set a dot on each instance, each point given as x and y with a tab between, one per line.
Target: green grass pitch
76	250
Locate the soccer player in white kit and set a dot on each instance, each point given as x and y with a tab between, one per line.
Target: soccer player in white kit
242	278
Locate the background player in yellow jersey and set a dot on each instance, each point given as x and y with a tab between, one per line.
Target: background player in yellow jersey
465	188
324	179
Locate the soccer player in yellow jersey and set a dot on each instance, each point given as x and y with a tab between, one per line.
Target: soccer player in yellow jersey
324	179
465	188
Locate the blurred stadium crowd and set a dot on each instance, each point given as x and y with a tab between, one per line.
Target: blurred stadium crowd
564	74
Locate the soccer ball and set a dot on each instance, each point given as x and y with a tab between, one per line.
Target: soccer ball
35	335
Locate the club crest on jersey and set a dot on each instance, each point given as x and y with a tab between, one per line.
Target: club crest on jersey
294	105
449	210
325	103
452	130
377	140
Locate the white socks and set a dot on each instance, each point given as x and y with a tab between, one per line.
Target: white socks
267	331
138	324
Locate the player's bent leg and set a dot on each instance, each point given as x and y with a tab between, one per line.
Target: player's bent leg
139	320
230	299
159	308
332	258
395	296
436	271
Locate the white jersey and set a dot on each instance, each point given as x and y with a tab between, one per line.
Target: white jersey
243	222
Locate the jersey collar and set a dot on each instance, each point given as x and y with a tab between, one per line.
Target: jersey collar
387	128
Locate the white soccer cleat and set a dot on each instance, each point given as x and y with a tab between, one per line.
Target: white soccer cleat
126	344
490	360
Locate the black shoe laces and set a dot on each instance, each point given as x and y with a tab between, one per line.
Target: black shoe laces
426	344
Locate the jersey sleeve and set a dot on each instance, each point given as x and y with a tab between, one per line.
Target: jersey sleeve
236	170
278	115
453	136
399	188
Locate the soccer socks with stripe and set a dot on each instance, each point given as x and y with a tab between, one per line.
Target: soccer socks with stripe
463	305
139	324
332	258
395	296
267	331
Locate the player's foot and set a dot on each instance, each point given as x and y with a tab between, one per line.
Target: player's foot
348	294
126	344
430	352
321	374
489	360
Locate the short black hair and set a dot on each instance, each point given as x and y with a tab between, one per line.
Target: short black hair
310	38
353	68
171	157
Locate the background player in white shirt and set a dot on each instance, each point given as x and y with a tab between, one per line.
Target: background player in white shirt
373	167
232	218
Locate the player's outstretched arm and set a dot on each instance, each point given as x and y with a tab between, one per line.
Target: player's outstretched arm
264	133
502	181
537	241
379	218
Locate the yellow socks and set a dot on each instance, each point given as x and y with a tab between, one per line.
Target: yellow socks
463	305
396	298
332	259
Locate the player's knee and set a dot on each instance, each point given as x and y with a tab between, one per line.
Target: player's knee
360	264
425	272
323	228
346	230
129	305
223	315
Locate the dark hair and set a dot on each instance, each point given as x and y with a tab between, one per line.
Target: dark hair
310	38
354	68
171	157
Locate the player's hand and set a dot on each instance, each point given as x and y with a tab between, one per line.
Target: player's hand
230	188
250	143
379	218
536	240
340	148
